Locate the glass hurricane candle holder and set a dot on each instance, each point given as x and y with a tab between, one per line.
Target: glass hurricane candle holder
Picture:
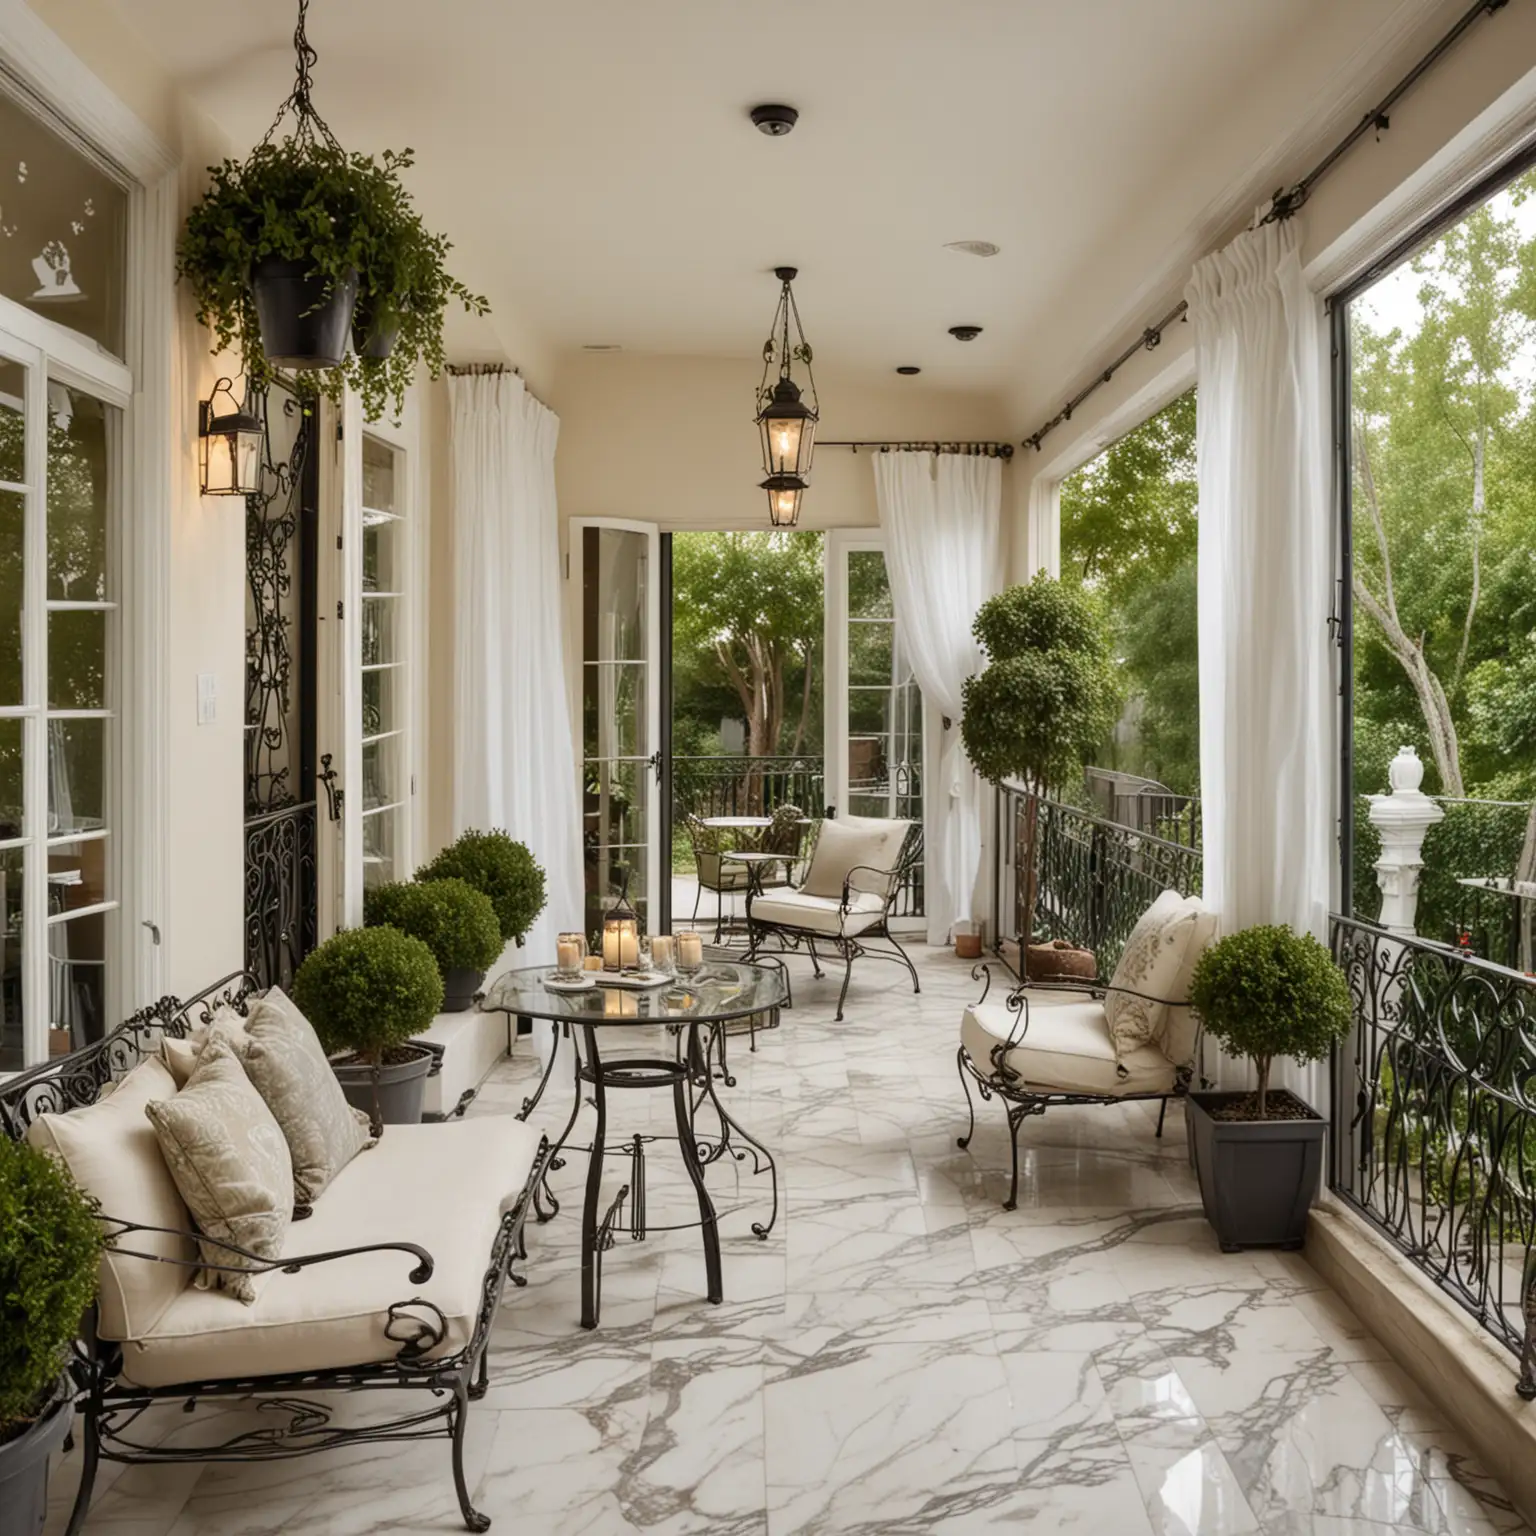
690	951
664	954
570	953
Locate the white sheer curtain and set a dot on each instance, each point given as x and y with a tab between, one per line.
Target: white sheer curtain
940	515
514	763
1266	572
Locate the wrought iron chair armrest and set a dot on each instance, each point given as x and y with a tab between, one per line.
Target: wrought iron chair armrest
259	1265
892	875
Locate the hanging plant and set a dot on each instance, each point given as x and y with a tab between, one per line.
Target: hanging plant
304	250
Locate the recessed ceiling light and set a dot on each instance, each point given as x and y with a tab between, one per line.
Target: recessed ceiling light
973	247
909	369
774	119
601	346
965	332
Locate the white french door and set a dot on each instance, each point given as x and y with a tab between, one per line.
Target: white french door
370	656
876	720
61	458
614	570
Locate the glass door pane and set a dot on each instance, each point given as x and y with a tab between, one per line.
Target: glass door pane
619	716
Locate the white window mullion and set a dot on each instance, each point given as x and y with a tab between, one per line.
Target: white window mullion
36	991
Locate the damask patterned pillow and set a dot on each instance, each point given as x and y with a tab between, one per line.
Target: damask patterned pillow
1136	1006
286	1062
231	1164
180	1052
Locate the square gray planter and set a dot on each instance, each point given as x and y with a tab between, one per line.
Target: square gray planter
1258	1178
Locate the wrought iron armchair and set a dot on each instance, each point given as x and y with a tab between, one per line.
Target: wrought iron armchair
111	1406
851	924
713	871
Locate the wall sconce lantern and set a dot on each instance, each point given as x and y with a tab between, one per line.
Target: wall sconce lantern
229	446
784	493
786	418
621	934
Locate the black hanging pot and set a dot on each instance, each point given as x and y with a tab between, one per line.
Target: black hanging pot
302	324
24	1466
374	339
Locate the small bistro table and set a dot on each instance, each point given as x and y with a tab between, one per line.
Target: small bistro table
695	1011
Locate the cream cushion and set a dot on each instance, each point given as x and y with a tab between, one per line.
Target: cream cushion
111	1150
287	1065
180	1052
1066	1048
1149	965
1181	1029
820	914
230	1161
854	843
442	1186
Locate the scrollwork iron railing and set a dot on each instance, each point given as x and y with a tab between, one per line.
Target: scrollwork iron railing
746	786
1062	873
1435	1127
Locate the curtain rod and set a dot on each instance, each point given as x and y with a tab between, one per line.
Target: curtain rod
1286	201
460	369
980	449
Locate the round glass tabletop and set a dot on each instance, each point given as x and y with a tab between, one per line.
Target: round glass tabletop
723	989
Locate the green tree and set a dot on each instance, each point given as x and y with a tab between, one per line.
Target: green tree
746	629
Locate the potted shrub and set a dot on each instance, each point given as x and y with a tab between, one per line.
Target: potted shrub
367	991
50	1249
1264	992
502	869
454	920
302	248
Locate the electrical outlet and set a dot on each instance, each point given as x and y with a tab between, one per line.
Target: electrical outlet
207	698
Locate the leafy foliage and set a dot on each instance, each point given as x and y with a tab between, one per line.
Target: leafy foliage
338	213
50	1247
500	868
1047	697
1267	991
367	990
454	920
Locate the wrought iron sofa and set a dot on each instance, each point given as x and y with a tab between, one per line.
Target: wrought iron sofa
855	872
385	1285
1049	1043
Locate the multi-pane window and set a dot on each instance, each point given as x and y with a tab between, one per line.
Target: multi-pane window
885	705
386	762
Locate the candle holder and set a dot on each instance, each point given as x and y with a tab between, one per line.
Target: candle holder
621	934
570	953
688	951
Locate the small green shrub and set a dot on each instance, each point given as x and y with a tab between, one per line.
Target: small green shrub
367	990
454	920
499	867
1047	699
50	1247
1267	991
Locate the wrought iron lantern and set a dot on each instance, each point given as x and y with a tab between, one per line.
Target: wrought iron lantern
784	493
621	933
229	446
786	414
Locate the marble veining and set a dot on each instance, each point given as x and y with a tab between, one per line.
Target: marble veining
901	1357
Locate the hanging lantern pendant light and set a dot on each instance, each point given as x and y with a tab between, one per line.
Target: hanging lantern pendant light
786	415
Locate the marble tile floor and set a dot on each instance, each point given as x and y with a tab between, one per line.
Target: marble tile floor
901	1356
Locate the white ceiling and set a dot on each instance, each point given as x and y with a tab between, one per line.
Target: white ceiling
593	162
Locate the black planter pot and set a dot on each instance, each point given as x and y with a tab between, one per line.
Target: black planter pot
24	1468
374	340
302	326
401	1087
1258	1178
460	988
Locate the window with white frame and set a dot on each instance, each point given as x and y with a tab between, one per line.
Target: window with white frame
62	396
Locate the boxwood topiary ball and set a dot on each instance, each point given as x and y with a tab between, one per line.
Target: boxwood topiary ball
502	869
454	920
368	990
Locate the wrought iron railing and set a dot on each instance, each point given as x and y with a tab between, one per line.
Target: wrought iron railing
1144	805
1435	1117
1062	873
746	786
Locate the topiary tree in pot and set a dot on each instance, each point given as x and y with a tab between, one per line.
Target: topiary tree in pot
499	867
454	920
1264	992
1046	701
50	1250
367	991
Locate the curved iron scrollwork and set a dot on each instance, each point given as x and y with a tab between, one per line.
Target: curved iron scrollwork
280	869
1436	1113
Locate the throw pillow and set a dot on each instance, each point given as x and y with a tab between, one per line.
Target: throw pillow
180	1052
231	1164
1149	965
287	1064
852	848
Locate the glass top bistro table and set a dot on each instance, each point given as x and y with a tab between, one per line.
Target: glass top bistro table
693	1011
